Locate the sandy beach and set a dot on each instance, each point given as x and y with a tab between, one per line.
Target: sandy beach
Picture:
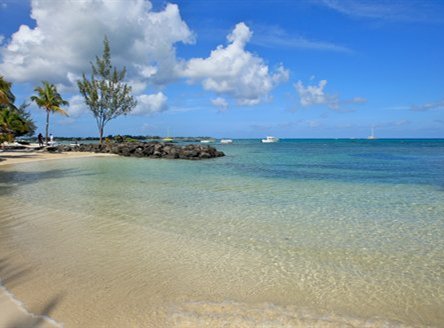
25	156
332	234
13	312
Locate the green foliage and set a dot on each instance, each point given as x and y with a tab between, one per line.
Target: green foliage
50	100
105	94
119	139
6	96
14	122
29	124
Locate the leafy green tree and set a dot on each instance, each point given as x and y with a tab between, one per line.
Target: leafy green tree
50	100
105	93
6	96
14	122
29	124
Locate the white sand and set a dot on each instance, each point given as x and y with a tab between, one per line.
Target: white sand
25	156
12	312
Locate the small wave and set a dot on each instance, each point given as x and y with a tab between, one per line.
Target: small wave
266	315
29	319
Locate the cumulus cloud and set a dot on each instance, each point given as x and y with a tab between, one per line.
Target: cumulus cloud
146	104
77	106
220	102
150	104
69	34
315	95
235	72
311	95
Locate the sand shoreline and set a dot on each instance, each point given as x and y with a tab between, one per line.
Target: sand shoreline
13	311
27	156
15	314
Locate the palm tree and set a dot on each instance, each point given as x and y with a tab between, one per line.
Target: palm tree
50	100
6	96
12	124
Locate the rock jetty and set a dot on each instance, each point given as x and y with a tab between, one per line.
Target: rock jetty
146	149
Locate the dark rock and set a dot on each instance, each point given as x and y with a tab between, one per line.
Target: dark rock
148	149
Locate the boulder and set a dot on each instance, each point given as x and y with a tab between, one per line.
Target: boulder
148	149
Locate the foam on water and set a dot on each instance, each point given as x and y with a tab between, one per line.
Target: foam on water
299	234
27	319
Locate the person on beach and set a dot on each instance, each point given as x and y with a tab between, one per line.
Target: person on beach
40	139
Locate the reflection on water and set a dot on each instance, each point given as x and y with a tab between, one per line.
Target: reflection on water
301	234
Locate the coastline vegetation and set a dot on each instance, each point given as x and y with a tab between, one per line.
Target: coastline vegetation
105	93
14	121
51	101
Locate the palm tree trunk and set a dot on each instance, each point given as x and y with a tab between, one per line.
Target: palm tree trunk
47	126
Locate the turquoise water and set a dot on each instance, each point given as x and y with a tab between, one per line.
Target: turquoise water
297	233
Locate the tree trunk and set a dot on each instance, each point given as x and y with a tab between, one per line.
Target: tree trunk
47	126
101	134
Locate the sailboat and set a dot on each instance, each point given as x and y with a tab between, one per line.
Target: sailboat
168	138
372	136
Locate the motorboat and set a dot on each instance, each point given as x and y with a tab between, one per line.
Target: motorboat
270	139
226	141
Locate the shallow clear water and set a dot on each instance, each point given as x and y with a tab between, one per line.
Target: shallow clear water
301	232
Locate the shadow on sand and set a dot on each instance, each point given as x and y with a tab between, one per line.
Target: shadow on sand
12	276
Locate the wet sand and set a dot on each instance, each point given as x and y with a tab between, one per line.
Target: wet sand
14	314
25	156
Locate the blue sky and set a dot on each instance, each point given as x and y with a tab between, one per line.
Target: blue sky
240	69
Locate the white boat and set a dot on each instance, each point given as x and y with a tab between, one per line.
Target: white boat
168	138
372	136
206	141
226	141
270	139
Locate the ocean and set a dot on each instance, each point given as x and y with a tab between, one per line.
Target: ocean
324	233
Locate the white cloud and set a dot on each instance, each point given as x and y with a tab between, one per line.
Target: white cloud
150	104
428	106
220	102
146	104
274	37
235	72
69	34
77	106
311	95
315	95
402	11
